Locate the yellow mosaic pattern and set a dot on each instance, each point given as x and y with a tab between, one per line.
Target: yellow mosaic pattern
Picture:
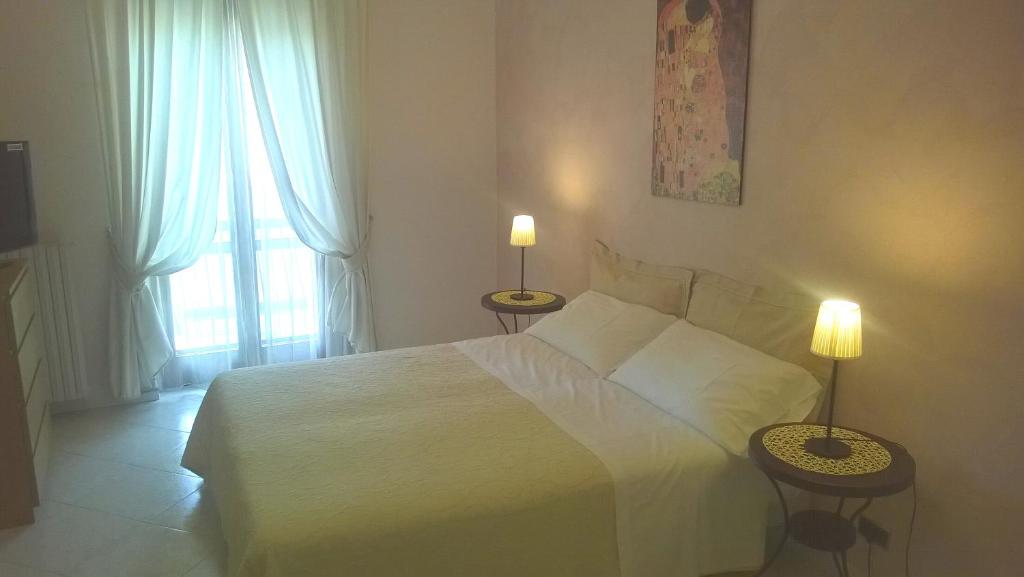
539	298
787	443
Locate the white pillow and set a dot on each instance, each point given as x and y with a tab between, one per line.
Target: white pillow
600	331
724	388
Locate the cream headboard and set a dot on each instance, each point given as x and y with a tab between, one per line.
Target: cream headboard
777	323
663	288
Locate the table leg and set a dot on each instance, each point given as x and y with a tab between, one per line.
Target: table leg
785	532
515	321
858	512
835	561
500	320
840	561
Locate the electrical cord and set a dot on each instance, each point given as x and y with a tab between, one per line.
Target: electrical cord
913	515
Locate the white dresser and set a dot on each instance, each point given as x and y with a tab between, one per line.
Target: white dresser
24	395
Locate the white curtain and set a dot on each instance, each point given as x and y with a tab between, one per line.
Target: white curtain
254	296
158	70
305	60
179	99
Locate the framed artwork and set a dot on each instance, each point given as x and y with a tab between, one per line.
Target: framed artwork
700	99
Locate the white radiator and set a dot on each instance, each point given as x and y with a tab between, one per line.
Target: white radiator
59	316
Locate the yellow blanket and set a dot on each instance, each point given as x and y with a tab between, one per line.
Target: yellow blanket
413	462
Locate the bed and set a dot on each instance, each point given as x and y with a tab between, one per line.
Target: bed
501	456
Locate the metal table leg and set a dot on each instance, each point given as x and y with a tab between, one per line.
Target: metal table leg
839	559
820	530
500	320
858	512
785	533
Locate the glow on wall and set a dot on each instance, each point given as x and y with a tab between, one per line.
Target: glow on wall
700	99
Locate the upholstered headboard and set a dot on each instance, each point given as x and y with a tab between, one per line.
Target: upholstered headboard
663	288
777	323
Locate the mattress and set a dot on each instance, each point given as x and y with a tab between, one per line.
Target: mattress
497	456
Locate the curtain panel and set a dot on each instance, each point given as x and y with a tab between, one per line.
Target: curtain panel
158	73
306	64
162	72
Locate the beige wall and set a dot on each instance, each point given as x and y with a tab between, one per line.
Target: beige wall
433	189
883	150
883	164
432	173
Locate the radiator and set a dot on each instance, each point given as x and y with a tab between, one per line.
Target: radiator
59	316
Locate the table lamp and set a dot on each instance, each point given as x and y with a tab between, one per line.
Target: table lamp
837	337
523	236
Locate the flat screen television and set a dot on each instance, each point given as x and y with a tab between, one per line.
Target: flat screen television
17	208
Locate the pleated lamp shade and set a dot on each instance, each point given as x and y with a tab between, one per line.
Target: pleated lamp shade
522	231
837	332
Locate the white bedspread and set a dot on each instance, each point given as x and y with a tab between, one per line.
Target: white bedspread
684	506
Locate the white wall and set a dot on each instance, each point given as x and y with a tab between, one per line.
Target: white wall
432	160
47	98
433	189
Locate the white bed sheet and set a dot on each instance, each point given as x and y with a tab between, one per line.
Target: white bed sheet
684	506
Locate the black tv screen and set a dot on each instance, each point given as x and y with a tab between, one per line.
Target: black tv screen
17	208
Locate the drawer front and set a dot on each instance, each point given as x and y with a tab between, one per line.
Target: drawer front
36	405
31	353
23	305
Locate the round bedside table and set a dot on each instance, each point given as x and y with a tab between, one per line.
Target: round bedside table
502	302
876	467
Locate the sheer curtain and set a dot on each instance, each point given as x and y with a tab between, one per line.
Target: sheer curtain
233	141
158	71
305	60
252	298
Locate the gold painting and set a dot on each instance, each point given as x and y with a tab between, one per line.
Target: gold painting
700	103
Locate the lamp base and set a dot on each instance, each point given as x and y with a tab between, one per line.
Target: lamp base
827	448
522	296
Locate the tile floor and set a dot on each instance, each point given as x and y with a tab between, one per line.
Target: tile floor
117	504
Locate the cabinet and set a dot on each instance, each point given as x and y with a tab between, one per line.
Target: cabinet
24	395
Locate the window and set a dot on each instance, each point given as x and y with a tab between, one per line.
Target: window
251	298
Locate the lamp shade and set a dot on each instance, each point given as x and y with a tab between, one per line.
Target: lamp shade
522	231
837	332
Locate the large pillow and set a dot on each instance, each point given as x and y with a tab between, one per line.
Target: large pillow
724	388
777	323
660	287
600	331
